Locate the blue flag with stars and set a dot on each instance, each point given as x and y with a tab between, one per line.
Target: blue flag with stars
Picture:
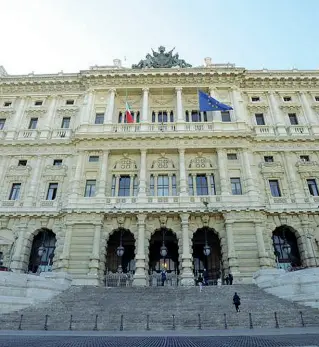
207	103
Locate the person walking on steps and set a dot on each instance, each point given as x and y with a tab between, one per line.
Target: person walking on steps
163	276
200	282
230	279
236	302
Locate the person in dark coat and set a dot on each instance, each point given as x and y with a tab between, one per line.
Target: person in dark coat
227	280
163	276
236	302
205	277
230	279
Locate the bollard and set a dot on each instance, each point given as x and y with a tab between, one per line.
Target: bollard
95	325
250	322
121	325
199	322
71	321
276	320
20	323
225	321
46	322
302	321
174	327
148	322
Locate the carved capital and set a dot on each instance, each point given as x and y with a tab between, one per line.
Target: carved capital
163	221
205	220
184	218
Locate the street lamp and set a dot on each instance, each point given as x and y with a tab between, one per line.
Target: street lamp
206	248
163	249
120	249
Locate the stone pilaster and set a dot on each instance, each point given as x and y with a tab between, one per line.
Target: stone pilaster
291	172
217	116
142	185
182	173
103	175
94	265
34	184
276	114
262	254
77	176
249	180
240	112
140	273
187	276
309	113
232	257
18	256
65	256
222	168
144	117
110	108
86	111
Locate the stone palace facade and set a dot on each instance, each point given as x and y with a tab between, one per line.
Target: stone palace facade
84	192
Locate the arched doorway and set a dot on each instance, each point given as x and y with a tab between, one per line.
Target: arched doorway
286	247
42	251
120	260
163	254
202	238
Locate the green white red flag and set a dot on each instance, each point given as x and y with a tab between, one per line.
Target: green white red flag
128	114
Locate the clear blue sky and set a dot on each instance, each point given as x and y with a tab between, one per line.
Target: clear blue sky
47	36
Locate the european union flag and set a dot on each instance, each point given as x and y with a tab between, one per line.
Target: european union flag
207	103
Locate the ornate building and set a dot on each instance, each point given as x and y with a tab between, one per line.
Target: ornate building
85	192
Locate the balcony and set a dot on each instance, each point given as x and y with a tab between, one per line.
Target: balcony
61	134
297	130
265	130
30	134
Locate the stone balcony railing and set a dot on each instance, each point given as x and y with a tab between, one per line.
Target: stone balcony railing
61	134
294	130
28	134
265	130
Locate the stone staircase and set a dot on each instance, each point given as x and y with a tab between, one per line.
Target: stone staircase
160	308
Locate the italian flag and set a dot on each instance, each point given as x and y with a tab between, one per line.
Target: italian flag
128	114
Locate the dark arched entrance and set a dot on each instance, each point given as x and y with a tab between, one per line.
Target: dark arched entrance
42	251
126	262
286	247
156	261
212	262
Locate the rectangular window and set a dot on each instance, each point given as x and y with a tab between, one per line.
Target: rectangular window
269	159
274	188
33	123
15	191
90	188
22	163
235	186
2	122
124	186
162	185
190	185
260	120
304	158
57	162
201	185
99	118
212	184
66	123
255	98
53	188
69	102
287	98
93	158
225	116
293	118
7	104
152	192
316	98
232	156
38	103
312	186
174	185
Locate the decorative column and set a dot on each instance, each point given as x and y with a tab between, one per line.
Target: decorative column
145	105
103	175
86	111
290	170
179	110
232	257
238	105
17	259
182	173
77	176
34	184
187	276
249	180
223	174
65	256
262	254
110	108
277	114
309	113
140	272
94	265
217	116
142	185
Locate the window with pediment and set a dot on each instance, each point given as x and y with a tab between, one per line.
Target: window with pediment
124	177
201	178
163	180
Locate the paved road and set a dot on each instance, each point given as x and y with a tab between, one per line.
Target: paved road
309	340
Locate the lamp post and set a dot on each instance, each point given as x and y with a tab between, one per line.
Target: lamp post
286	246
206	248
120	249
309	236
163	249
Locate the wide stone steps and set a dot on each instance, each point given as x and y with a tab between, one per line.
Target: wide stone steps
160	308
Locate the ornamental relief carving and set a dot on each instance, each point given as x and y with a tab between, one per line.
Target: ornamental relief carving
125	164
54	170
67	111
19	171
200	163
6	113
307	166
163	164
271	168
35	111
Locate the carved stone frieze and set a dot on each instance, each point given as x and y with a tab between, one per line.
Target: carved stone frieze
55	170
6	112
67	111
35	111
307	167
272	168
19	171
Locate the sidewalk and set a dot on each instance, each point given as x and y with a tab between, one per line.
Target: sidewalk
234	332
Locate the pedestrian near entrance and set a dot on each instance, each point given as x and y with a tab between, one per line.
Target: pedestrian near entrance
163	277
200	282
230	279
205	277
236	302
